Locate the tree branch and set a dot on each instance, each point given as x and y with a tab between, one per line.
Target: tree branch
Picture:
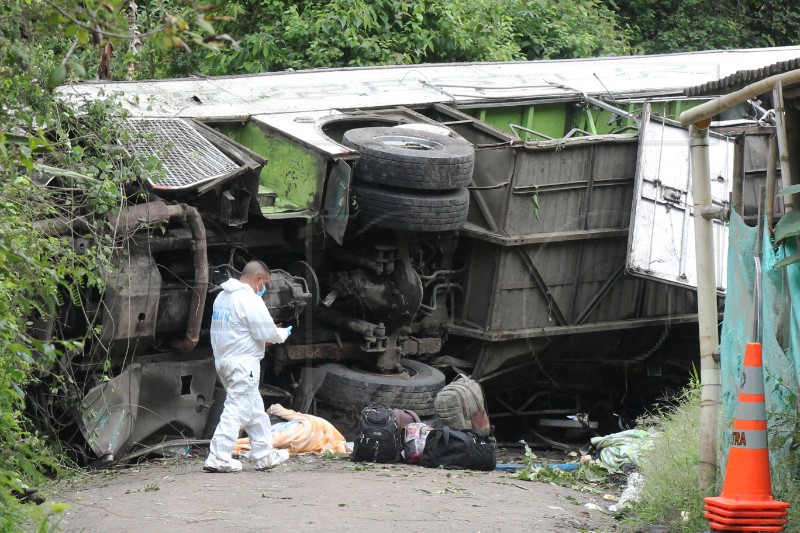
105	33
69	52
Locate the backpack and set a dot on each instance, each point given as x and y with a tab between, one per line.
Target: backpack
378	438
451	448
461	405
414	437
406	417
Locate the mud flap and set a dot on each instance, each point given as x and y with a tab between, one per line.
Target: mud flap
336	209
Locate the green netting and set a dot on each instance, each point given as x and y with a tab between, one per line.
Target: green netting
780	341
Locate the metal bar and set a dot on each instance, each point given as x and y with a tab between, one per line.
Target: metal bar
483	207
586	208
563	144
590	121
527	117
573	131
569	185
612	109
604	290
530	413
537	277
465	118
474	333
475	231
515	127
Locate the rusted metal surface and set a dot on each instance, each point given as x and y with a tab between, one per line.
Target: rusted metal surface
560	272
739	79
129	317
148	403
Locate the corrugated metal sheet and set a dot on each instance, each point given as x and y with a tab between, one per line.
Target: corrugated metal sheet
566	267
742	78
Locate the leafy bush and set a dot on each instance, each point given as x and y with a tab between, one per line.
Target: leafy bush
784	443
567	29
55	164
687	25
276	35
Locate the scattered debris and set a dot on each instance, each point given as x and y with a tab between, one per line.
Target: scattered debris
631	493
618	451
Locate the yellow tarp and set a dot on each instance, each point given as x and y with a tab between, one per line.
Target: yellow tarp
311	434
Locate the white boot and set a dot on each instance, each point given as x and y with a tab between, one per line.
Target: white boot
271	460
215	466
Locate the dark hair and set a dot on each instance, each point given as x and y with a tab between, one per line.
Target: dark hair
263	264
255	268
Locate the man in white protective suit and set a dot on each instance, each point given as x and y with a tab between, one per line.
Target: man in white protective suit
240	328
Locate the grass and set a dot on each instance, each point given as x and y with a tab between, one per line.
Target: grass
670	495
784	438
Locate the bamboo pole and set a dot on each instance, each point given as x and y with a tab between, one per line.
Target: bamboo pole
706	305
729	101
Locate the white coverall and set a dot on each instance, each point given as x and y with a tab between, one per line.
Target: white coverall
240	327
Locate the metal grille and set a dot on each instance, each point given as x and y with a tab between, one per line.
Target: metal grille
188	158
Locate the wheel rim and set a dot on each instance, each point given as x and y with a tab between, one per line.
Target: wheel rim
410	142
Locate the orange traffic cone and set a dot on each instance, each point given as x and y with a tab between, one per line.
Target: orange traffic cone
746	502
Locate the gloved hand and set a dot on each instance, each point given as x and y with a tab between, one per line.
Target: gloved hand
288	330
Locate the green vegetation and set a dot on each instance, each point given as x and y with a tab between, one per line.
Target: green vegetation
688	25
77	154
534	470
670	495
276	35
44	43
784	444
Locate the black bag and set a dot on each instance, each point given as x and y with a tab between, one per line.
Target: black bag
378	438
451	449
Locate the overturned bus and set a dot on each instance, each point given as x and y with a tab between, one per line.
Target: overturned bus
527	223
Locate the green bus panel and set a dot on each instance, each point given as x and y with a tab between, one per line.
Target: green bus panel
291	171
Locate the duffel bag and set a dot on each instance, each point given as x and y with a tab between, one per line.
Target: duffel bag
454	449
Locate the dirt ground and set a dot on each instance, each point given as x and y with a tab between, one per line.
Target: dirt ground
319	493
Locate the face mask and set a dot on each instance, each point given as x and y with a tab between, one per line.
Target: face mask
262	291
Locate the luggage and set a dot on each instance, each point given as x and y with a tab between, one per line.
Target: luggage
378	438
451	449
461	405
414	437
406	417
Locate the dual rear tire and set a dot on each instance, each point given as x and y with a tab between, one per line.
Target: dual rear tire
409	179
